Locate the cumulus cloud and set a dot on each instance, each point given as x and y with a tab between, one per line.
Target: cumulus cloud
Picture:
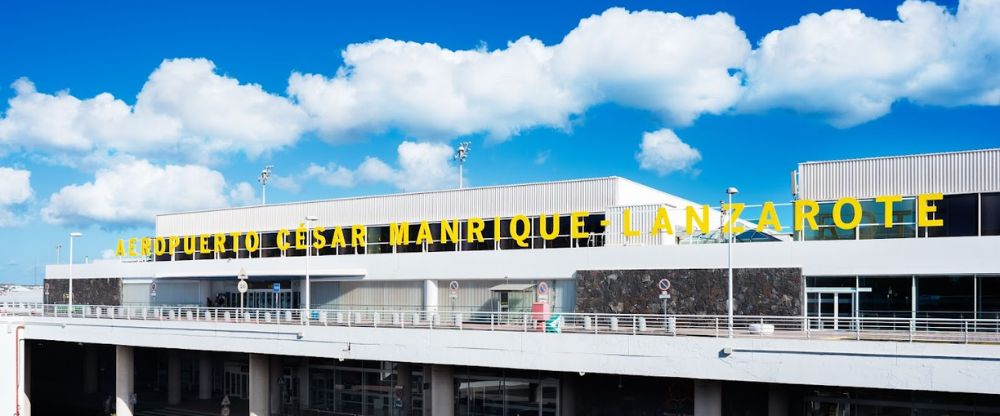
133	193
185	111
15	189
674	65
851	68
663	152
330	175
422	166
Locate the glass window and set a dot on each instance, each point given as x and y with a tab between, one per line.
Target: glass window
989	297
873	220
378	240
890	297
960	214
827	230
991	214
944	297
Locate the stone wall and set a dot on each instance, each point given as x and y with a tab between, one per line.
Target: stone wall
776	291
85	291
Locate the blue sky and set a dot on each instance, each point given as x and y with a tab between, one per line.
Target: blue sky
878	84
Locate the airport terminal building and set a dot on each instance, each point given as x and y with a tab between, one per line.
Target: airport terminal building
582	297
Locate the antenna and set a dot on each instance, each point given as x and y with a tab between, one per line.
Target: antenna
461	153
265	175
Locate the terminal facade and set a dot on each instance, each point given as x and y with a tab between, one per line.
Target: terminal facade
539	299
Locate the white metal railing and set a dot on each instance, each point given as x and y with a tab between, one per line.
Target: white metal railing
981	331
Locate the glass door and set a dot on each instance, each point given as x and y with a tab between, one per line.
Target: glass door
831	309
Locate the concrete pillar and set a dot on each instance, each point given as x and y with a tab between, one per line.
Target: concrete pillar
260	383
430	295
777	400
90	369
567	393
173	377
304	383
124	380
205	375
275	387
427	410
404	381
443	390
707	398
25	382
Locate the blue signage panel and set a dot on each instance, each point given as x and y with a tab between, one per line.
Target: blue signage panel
276	287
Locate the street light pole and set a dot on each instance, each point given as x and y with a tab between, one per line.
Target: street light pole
308	300
72	236
729	219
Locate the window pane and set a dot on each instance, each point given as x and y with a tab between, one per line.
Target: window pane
989	297
944	297
960	214
889	297
991	214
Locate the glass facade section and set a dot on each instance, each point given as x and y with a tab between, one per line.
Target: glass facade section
988	302
960	214
990	215
501	392
890	297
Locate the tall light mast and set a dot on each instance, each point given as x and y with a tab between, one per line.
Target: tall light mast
461	153
265	175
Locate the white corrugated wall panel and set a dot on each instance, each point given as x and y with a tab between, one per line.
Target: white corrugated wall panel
135	293
381	294
947	173
593	195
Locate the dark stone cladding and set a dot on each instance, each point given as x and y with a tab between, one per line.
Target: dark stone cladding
85	291
770	291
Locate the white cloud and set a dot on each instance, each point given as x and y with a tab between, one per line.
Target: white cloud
851	68
422	166
243	194
665	62
662	151
15	189
185	111
132	193
330	174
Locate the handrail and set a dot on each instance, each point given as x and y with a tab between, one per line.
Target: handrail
909	329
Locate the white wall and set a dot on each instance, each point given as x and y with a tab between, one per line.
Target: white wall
866	364
948	255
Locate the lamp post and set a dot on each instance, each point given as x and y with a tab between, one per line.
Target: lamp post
729	243
309	220
461	153
72	236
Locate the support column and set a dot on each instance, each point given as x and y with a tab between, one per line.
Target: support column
304	383
427	389
430	295
173	377
707	398
260	402
404	380
124	380
567	393
274	384
777	400
90	369
205	375
442	390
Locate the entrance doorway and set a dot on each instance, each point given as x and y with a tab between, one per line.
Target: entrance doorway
833	308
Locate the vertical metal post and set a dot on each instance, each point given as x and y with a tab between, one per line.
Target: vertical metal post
729	219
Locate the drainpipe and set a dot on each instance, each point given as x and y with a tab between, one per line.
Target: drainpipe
17	369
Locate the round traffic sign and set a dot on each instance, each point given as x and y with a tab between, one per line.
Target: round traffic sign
453	285
225	411
663	284
242	286
543	288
